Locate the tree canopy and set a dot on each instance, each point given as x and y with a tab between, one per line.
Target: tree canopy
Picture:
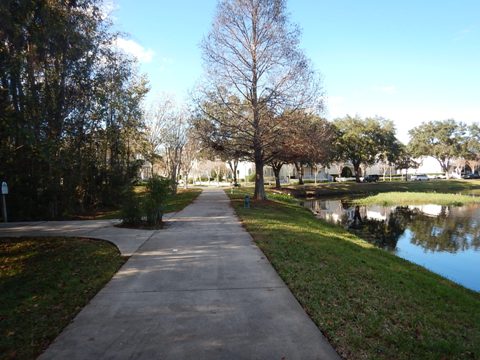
364	141
70	111
443	140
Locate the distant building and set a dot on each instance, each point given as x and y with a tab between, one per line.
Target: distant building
428	165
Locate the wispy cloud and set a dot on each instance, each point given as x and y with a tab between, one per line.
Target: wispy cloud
386	89
133	48
465	32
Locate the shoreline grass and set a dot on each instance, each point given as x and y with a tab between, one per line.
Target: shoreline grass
370	304
471	187
416	198
44	283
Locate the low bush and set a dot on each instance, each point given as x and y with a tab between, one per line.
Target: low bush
131	211
158	190
146	209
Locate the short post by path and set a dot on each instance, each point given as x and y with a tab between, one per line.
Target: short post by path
4	201
246	203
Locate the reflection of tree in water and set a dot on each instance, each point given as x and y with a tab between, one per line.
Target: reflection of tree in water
446	232
382	233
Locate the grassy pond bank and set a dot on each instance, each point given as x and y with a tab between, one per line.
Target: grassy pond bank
369	303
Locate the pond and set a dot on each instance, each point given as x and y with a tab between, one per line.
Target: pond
443	239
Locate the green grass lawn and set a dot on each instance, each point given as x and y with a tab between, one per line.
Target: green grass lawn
370	304
410	198
44	283
174	203
351	188
181	200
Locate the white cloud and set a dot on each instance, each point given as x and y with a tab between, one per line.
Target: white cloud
133	48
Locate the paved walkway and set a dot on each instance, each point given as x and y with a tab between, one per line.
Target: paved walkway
199	289
127	240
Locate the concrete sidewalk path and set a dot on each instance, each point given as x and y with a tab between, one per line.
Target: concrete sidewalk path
199	289
127	240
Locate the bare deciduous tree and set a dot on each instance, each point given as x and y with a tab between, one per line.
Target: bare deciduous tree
255	69
189	155
168	136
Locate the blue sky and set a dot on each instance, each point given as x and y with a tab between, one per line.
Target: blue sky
409	61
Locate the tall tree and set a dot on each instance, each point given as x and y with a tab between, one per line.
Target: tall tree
405	160
442	140
169	129
307	140
54	87
217	136
363	142
190	155
252	55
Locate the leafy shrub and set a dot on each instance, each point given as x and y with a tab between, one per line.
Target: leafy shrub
158	190
131	212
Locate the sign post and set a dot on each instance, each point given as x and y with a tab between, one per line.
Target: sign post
4	201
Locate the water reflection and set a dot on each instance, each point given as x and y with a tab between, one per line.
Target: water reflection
445	239
434	227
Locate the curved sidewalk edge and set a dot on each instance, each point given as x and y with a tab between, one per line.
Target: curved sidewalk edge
128	241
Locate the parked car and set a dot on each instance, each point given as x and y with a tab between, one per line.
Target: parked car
419	177
471	176
371	178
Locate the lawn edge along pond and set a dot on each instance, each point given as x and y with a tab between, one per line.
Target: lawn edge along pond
417	198
370	304
44	283
351	188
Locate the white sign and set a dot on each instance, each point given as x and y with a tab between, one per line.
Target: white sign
4	188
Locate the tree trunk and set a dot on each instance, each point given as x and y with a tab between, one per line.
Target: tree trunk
185	185
259	181
299	168
276	171
356	167
233	164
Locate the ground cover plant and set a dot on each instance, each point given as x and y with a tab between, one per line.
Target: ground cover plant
370	304
44	283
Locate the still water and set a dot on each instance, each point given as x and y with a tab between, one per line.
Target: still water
443	239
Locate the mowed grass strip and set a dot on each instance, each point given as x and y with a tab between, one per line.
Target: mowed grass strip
44	283
351	188
410	198
369	304
182	199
